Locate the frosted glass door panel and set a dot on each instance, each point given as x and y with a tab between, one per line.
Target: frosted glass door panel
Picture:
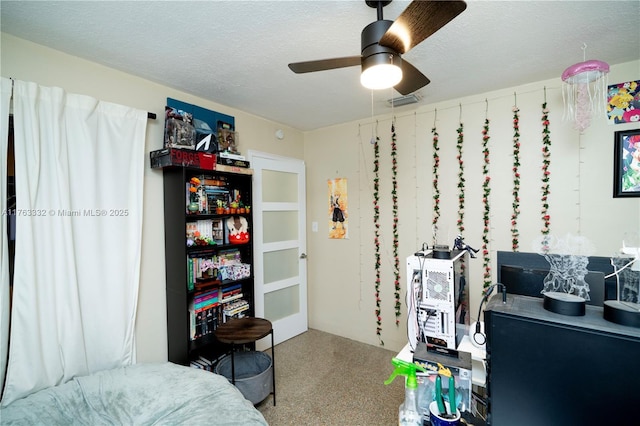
280	265
279	226
279	187
282	303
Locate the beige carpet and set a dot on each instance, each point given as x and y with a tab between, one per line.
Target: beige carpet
322	379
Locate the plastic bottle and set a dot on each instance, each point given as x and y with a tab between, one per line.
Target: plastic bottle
408	413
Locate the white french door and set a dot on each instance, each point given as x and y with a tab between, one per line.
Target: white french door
279	242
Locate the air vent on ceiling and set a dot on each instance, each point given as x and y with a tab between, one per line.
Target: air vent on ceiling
404	100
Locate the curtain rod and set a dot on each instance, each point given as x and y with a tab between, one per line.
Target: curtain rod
150	115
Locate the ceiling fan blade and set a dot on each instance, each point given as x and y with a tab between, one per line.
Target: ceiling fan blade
418	21
412	79
325	64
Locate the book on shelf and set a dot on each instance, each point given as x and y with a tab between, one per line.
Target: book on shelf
190	277
230	293
205	360
203	322
226	293
236	316
203	363
197	324
204	201
205	305
216	190
205	228
217	227
233	162
205	295
235	308
242	306
231	287
211	321
196	363
227	154
232	297
202	285
213	180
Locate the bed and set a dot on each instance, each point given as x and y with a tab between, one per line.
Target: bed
140	394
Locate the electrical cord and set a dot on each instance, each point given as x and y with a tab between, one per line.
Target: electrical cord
411	304
462	282
430	313
479	337
413	298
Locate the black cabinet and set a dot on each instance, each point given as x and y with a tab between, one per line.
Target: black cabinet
550	369
208	257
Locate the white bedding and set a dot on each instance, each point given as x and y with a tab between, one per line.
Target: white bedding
141	394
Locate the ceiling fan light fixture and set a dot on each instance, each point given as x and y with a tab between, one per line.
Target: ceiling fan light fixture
382	43
381	71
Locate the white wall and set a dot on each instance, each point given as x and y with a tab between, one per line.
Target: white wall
27	61
341	272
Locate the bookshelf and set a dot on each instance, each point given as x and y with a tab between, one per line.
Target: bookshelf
209	257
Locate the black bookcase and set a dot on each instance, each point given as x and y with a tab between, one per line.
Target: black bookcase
182	347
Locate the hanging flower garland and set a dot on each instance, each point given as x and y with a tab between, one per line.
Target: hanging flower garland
486	189
546	161
376	224
436	170
394	196
515	234
460	179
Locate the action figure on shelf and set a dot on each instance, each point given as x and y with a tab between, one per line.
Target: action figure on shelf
459	244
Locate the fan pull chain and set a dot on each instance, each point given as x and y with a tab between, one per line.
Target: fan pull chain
373	135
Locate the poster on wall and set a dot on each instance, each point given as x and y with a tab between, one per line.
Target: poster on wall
626	157
193	127
623	102
338	215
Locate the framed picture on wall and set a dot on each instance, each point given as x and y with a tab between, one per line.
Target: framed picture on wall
626	166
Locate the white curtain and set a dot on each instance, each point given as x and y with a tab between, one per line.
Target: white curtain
79	181
5	98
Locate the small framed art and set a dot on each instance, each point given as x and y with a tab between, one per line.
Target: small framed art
626	163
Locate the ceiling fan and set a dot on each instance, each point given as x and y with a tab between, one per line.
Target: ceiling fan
383	41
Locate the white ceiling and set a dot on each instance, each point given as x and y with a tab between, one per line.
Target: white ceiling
236	52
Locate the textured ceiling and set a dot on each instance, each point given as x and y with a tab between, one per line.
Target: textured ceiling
236	52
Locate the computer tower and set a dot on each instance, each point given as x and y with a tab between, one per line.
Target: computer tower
440	291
